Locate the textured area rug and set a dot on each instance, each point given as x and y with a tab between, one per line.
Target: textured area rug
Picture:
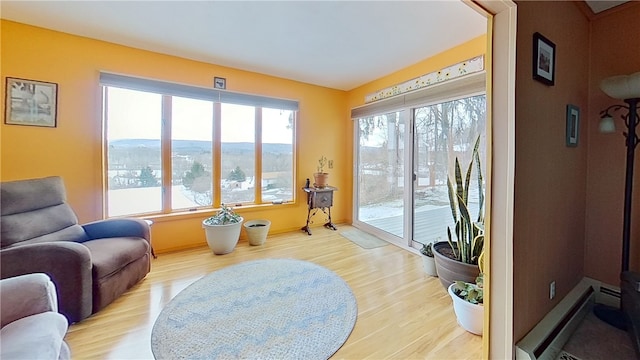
362	239
263	309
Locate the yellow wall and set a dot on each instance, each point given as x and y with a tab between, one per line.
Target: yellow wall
73	149
456	54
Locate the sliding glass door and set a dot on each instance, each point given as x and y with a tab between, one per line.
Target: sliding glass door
443	132
403	159
381	172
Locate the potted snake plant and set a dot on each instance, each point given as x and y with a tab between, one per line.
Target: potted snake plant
457	259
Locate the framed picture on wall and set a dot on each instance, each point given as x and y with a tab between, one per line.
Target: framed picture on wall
544	59
573	125
30	102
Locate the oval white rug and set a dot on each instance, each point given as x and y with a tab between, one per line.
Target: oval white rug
263	309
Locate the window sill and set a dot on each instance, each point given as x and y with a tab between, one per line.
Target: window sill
204	213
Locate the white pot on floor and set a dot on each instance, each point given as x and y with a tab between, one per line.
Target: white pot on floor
429	265
470	316
222	239
257	231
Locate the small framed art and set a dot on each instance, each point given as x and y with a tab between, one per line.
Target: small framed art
219	83
544	59
31	102
573	125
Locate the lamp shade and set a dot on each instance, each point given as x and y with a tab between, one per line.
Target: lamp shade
622	86
607	125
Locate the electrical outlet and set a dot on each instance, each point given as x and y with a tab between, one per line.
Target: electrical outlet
552	290
330	164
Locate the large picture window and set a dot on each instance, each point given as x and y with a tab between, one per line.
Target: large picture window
173	148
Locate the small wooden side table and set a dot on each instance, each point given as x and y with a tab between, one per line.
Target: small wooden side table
319	199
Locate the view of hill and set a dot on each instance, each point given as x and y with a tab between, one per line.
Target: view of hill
185	146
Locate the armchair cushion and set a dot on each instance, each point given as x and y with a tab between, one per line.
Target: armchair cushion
26	295
110	228
106	262
35	210
37	336
32	194
31	326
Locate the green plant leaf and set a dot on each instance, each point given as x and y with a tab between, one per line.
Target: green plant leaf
467	182
450	241
476	156
469	234
224	216
459	185
452	200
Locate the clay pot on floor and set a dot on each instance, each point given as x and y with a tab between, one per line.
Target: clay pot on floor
450	270
257	231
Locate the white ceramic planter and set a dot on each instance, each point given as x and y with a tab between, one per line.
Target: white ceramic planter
257	231
222	239
470	316
429	265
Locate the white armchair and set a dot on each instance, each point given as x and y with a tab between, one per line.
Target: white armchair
32	328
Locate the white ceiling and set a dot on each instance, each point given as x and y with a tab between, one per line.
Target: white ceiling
336	44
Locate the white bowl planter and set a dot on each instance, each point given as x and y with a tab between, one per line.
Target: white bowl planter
470	316
257	231
222	239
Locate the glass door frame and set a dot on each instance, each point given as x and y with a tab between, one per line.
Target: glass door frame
407	242
391	238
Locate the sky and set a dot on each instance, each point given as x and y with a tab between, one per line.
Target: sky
136	115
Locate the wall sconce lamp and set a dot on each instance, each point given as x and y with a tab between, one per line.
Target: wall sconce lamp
627	89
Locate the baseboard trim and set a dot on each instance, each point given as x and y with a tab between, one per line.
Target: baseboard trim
545	340
610	292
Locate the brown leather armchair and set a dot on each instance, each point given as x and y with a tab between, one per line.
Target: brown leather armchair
91	264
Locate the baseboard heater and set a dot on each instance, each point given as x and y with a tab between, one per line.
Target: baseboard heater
609	296
545	340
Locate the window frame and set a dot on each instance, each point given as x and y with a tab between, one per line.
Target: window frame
217	97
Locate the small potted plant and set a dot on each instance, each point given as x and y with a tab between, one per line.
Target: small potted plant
428	261
222	230
468	306
321	178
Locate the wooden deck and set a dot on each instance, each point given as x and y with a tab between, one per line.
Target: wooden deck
430	225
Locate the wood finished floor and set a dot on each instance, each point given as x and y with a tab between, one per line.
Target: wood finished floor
402	312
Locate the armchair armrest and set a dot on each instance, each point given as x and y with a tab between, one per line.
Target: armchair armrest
67	263
26	295
127	227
